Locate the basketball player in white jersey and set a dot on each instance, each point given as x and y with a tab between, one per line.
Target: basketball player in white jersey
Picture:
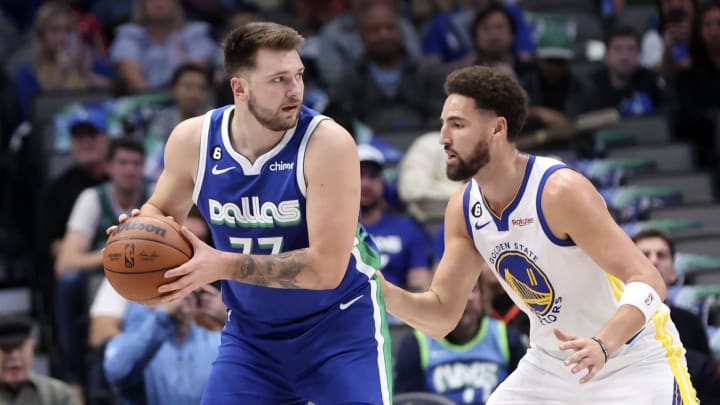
600	333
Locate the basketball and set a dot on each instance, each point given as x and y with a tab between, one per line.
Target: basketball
139	252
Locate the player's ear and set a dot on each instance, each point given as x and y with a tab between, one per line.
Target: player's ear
500	126
239	86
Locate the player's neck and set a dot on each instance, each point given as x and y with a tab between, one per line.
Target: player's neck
250	138
500	179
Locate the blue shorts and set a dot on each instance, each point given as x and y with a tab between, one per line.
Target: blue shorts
341	356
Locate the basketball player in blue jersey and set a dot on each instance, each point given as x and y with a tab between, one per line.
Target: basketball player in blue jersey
279	186
599	331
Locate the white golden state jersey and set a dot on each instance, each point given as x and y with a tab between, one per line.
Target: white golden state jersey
552	280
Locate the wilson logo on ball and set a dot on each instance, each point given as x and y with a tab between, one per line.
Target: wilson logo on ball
139	226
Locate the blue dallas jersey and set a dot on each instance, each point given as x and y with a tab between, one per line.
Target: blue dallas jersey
467	373
259	208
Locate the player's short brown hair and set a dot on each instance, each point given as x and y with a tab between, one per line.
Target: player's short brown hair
241	45
492	90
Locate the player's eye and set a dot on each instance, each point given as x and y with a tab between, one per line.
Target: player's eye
278	79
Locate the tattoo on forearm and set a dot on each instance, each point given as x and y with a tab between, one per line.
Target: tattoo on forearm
281	270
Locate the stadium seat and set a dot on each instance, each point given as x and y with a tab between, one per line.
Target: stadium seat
667	157
696	187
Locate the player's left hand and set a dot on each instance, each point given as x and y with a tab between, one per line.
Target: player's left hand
200	270
588	354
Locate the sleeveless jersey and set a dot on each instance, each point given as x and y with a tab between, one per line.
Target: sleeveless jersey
552	280
259	208
467	373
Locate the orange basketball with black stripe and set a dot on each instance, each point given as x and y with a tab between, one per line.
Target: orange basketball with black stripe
139	252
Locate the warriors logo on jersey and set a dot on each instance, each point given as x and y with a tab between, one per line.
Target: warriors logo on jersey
530	283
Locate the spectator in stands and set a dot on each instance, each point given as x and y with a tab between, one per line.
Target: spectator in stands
89	27
147	50
622	83
660	249
423	184
89	146
190	86
311	15
698	89
666	45
404	246
19	385
81	253
556	95
340	44
60	59
387	90
448	38
465	366
494	31
164	350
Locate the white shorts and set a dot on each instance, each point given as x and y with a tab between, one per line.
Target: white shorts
651	372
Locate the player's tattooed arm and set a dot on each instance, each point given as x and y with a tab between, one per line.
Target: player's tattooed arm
280	271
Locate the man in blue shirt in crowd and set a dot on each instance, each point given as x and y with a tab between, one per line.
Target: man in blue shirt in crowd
163	356
404	245
448	38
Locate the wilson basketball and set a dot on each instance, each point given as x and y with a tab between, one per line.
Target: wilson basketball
139	252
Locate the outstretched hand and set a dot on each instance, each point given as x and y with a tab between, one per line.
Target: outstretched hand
204	267
588	354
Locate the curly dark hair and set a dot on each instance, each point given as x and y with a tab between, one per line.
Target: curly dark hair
241	45
492	90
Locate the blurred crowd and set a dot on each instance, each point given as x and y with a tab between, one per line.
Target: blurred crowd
375	66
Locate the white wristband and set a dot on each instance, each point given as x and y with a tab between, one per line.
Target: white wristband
641	296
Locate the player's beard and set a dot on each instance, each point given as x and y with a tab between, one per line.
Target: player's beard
463	170
272	120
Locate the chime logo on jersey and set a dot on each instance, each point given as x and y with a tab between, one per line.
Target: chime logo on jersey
530	283
252	213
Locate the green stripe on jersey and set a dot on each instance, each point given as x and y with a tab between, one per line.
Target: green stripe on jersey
368	255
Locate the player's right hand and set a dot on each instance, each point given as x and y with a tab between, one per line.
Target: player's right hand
122	218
